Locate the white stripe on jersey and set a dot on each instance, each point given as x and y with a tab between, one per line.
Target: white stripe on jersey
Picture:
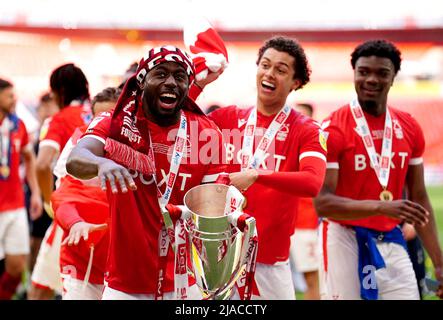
95	137
49	143
332	165
312	154
415	161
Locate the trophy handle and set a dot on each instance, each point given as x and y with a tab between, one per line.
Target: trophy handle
171	213
246	224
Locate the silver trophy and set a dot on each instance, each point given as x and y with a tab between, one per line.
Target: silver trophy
221	245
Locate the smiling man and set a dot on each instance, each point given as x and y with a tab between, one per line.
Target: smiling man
146	154
374	154
286	161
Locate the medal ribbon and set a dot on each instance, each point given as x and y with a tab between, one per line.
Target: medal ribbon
253	161
5	149
381	167
246	283
166	234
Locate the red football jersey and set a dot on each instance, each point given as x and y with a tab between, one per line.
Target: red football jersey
347	153
58	129
11	194
307	217
275	211
136	219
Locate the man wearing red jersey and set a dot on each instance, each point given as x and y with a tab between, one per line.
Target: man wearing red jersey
147	154
81	208
14	228
287	161
70	89
374	151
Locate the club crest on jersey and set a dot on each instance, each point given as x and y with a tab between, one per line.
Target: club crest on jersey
398	131
323	138
282	134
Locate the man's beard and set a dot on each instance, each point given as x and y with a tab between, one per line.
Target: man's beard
369	105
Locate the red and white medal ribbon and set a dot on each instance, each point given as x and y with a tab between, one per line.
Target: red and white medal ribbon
381	166
246	224
167	235
181	272
234	200
253	161
5	129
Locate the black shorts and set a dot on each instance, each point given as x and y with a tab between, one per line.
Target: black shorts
39	226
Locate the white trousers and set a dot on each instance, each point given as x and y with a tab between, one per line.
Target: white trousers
339	278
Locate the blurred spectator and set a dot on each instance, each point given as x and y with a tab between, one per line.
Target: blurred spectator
14	227
211	108
304	255
46	108
70	90
81	208
128	73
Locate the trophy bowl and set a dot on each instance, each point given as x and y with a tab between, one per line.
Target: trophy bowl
216	245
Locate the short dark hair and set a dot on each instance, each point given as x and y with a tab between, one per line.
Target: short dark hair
109	94
307	106
212	107
379	48
70	83
294	49
4	84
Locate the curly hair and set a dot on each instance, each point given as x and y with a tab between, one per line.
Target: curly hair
379	48
294	49
70	83
109	94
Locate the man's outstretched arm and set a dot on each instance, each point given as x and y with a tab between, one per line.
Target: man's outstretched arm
87	161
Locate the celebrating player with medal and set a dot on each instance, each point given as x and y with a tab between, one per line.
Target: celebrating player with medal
361	201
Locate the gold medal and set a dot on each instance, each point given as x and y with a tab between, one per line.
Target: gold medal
4	171
386	195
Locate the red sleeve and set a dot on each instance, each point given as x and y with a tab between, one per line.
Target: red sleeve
55	135
335	142
24	135
194	91
99	127
312	141
304	183
66	216
419	146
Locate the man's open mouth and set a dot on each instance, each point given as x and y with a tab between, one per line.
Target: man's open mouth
267	85
168	98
